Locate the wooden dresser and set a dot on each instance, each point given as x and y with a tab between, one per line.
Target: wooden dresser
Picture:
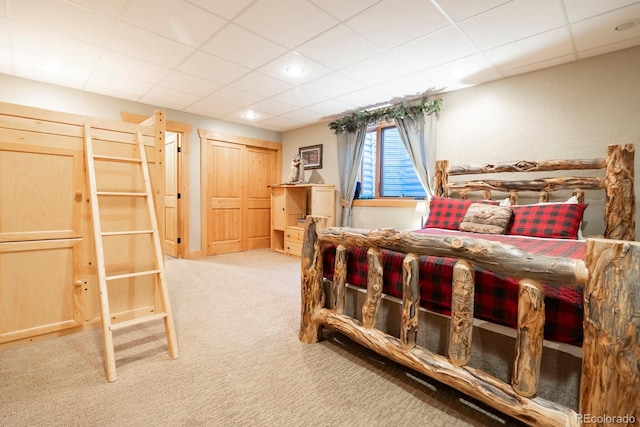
290	204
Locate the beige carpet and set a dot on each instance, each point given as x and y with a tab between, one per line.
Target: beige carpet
240	364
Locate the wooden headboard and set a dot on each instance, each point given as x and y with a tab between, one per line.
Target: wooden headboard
617	181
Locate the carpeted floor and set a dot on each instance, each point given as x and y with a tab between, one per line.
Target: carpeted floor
240	364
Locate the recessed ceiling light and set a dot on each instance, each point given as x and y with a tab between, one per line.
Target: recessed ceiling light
294	70
626	25
249	115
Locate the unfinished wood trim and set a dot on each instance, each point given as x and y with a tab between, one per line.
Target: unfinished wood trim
313	295
371	307
611	347
529	338
410	300
468	380
340	278
620	202
461	327
528	166
541	184
486	254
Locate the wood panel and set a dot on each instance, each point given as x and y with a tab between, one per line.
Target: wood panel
260	173
41	287
172	143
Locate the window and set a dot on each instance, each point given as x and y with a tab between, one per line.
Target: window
386	157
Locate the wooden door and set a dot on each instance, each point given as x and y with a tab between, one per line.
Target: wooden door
225	201
260	174
171	164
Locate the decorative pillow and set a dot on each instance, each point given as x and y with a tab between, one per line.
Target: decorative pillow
560	221
484	218
447	213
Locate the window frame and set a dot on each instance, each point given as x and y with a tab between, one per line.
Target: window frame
379	200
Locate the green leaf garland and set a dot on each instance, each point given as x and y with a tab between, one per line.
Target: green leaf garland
351	122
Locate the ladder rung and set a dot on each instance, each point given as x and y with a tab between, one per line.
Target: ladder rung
116	159
120	193
125	233
137	321
124	276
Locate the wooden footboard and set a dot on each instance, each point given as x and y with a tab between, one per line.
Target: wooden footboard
610	383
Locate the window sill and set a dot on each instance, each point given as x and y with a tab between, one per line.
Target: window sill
389	203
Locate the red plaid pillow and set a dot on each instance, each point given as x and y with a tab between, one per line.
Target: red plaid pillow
558	221
447	213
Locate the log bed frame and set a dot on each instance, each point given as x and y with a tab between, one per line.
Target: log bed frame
610	375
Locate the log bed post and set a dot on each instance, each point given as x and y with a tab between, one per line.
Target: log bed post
620	206
410	300
313	296
441	178
610	384
461	327
374	288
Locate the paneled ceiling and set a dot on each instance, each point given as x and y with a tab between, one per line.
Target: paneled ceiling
223	58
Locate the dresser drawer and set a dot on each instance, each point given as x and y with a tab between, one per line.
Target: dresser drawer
294	234
291	248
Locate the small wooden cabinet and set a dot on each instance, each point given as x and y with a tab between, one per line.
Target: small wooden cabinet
290	204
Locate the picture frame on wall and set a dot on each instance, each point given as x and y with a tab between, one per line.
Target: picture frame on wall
312	156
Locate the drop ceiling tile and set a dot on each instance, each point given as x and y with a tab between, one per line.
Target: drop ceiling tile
274	107
169	98
61	17
610	48
147	46
35	67
4	32
334	84
235	96
113	8
279	123
174	19
299	97
581	9
126	66
303	115
459	10
212	68
330	108
238	45
53	47
101	80
464	72
388	25
513	21
311	69
408	86
353	47
343	10
538	48
377	69
435	49
364	98
225	8
260	84
190	84
211	108
286	22
540	65
600	30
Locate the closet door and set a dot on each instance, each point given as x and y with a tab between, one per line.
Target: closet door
225	186
237	202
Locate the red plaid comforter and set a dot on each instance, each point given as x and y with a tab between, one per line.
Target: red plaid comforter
496	296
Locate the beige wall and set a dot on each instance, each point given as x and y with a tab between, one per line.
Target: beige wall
569	111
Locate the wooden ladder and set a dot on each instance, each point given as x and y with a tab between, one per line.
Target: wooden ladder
158	272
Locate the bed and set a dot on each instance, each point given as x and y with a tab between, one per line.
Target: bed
546	288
